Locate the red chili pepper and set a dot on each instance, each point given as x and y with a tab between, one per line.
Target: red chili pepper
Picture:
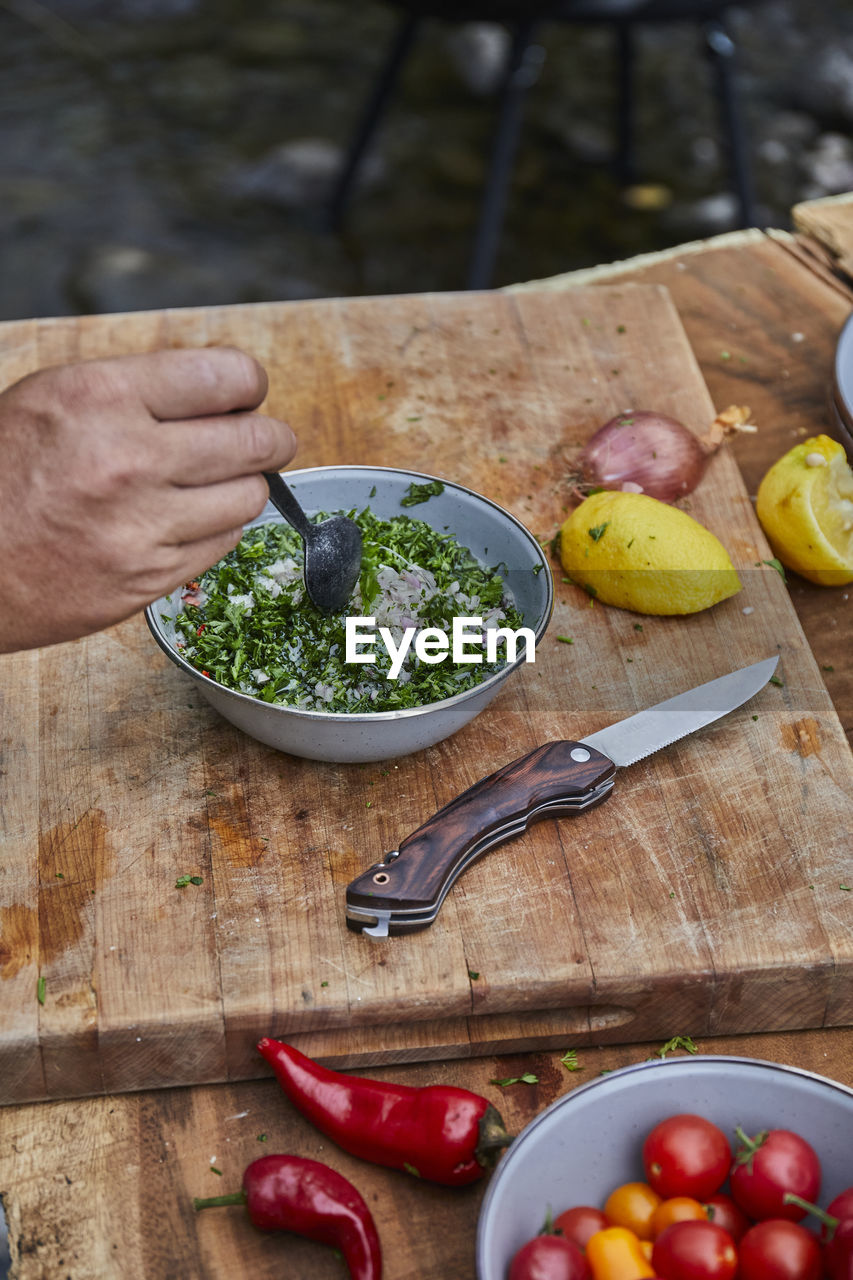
438	1132
290	1193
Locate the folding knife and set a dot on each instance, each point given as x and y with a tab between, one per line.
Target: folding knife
404	892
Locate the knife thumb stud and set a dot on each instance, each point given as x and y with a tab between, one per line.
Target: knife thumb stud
381	877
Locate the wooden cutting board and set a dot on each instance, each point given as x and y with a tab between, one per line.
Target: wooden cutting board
708	895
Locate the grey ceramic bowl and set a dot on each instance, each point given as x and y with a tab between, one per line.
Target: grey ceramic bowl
590	1141
491	533
841	398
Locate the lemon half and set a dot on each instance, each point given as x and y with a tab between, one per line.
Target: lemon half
636	552
805	505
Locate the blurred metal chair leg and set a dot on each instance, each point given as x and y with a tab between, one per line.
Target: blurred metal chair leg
522	71
375	108
523	65
625	166
721	52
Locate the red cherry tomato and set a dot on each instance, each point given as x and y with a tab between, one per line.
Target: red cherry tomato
579	1223
777	1249
549	1258
695	1251
769	1165
723	1210
838	1252
842	1205
686	1155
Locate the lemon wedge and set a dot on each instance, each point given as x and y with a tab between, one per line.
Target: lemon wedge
805	505
636	552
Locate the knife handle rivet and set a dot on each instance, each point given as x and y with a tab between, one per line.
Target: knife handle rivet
381	877
579	753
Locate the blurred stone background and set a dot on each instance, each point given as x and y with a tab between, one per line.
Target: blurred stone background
178	152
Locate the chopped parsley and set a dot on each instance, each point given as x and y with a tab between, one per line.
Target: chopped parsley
248	623
527	1078
417	493
677	1042
597	530
778	566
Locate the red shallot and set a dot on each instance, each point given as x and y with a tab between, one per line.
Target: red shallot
647	452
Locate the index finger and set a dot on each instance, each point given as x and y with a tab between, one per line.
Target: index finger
196	381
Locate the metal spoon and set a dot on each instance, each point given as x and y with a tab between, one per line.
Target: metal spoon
332	549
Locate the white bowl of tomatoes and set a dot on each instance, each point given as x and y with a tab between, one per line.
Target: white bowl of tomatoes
678	1169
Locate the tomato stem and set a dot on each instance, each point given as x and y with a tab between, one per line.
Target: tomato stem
821	1214
748	1146
547	1228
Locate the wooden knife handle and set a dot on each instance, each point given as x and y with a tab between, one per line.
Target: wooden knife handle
567	775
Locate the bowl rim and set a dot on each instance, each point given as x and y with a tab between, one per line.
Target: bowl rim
655	1064
843	373
372	717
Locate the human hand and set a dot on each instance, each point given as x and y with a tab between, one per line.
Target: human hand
121	479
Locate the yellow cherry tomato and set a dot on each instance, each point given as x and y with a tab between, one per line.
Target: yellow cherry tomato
617	1254
633	1205
677	1209
647	1249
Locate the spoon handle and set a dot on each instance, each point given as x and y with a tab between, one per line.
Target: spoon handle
285	502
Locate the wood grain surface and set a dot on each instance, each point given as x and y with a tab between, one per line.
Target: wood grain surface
101	1188
650	911
825	231
763	317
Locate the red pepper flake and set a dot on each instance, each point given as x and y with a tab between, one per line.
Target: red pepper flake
199	630
206	673
191	594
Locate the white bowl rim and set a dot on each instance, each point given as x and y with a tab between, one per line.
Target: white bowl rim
661	1064
372	717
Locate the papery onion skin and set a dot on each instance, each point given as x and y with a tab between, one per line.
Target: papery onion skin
644	449
651	453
